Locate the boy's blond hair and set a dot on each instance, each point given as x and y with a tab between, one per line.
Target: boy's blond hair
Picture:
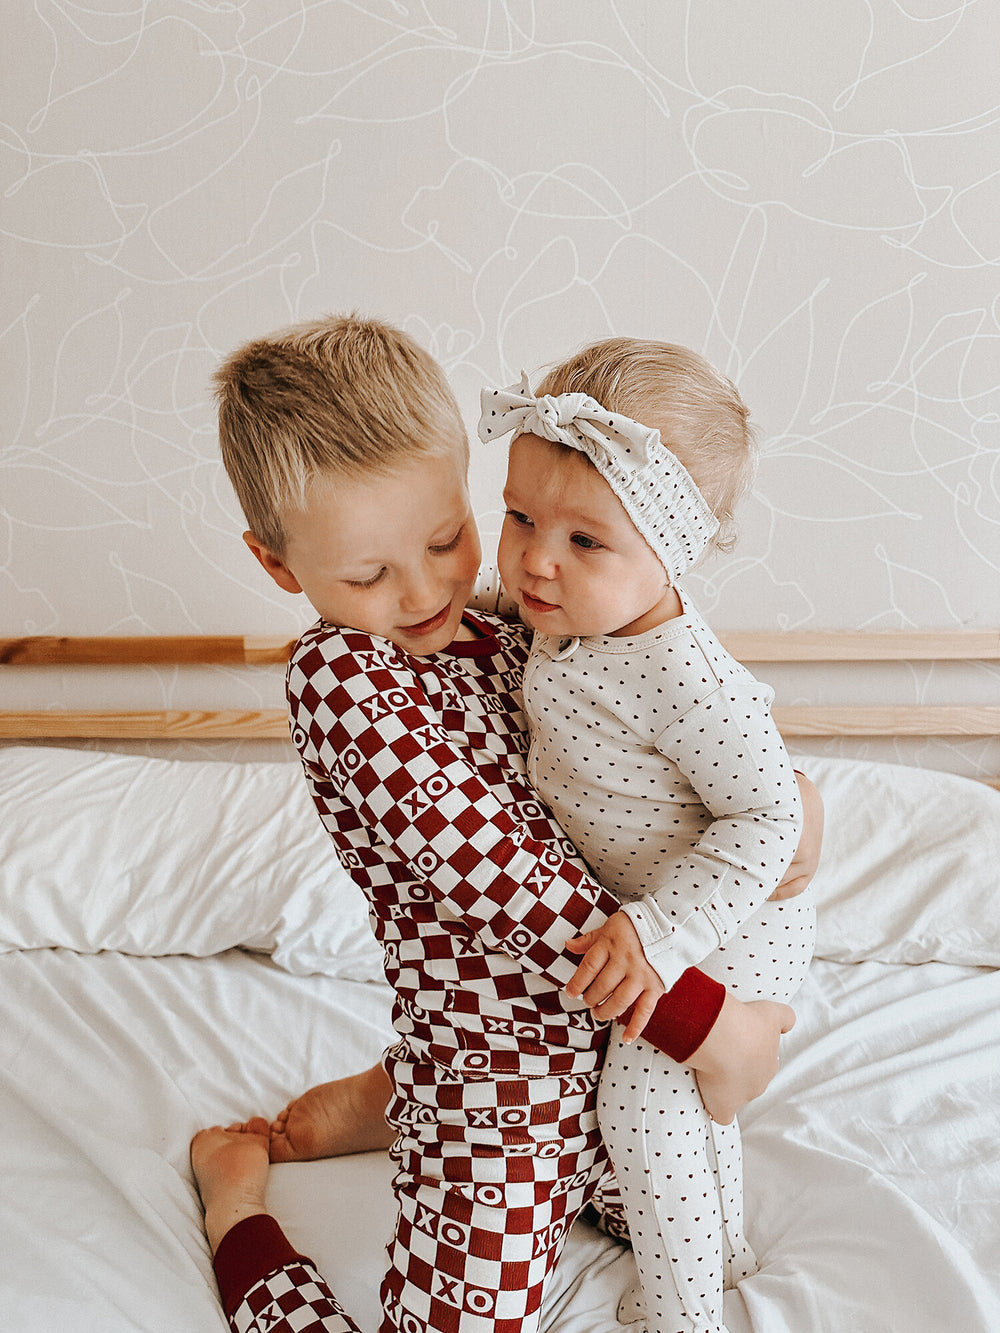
698	412
340	397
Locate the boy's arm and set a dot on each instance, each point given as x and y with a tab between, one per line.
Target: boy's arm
739	1057
520	896
381	743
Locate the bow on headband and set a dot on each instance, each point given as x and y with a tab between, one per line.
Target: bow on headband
656	489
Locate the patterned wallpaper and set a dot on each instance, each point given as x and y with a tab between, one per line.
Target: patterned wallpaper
806	192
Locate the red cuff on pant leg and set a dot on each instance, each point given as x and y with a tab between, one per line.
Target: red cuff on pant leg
247	1253
685	1016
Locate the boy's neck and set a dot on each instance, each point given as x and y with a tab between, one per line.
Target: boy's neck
466	632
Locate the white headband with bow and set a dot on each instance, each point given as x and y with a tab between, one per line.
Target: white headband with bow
656	489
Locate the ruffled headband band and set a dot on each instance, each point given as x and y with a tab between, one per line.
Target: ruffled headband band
656	489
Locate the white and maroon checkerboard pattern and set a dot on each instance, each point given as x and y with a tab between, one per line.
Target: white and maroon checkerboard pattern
293	1299
416	766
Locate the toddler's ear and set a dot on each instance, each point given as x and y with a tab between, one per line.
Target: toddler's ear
274	565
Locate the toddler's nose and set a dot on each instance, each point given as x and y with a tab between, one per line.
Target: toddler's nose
538	560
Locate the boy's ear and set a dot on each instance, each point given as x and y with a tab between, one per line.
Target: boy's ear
274	565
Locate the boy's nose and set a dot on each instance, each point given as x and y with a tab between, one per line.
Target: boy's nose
421	592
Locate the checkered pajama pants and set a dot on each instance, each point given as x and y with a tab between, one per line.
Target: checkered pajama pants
491	1176
294	1299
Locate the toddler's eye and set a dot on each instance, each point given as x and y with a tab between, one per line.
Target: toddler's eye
586	543
517	517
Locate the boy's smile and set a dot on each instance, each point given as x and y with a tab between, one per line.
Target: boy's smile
394	555
569	553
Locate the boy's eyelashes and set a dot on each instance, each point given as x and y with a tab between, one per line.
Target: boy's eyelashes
443	549
366	583
448	546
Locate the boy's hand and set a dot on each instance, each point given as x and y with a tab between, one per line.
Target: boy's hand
739	1057
805	862
614	974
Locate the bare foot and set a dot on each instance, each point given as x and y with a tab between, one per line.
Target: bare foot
230	1169
345	1116
739	1057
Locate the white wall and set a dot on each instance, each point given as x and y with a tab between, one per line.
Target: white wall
807	192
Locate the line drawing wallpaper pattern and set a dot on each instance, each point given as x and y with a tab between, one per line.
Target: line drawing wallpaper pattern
807	193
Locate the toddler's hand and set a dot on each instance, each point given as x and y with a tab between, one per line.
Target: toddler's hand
739	1057
614	974
805	862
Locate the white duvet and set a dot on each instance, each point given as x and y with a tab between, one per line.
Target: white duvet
872	1162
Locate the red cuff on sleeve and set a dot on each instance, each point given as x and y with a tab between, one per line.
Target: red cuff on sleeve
685	1016
248	1252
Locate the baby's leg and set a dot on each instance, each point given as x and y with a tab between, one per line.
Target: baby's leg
681	1175
345	1116
660	1139
766	960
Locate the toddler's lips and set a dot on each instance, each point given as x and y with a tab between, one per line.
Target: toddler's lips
536	604
429	626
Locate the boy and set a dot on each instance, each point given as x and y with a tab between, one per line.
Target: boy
348	456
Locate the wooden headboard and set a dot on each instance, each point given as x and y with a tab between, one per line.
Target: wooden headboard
795	721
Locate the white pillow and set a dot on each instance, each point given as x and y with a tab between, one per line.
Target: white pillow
156	856
910	870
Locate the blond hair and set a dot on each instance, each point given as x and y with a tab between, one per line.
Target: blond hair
698	412
341	397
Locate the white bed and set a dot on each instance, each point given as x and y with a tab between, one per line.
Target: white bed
179	947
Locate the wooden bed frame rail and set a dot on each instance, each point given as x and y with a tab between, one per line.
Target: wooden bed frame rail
858	647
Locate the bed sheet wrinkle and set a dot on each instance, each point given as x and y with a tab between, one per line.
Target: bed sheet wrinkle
876	1263
905	1137
97	1234
118	1060
872	1162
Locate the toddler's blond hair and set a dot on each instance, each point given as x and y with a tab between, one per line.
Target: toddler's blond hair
697	410
340	397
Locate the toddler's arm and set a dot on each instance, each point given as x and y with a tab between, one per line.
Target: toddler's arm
731	754
805	862
614	968
614	975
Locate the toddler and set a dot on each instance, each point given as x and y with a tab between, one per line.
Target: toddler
656	752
